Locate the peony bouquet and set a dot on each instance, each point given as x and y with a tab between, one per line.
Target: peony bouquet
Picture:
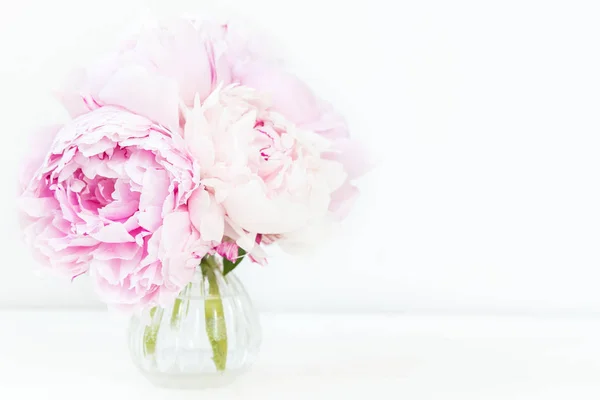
188	150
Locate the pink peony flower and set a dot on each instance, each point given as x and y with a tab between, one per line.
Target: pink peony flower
154	71
293	99
260	173
110	196
161	71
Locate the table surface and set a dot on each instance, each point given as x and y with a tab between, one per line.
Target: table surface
83	355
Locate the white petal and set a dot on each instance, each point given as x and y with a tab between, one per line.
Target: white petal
206	215
248	206
244	239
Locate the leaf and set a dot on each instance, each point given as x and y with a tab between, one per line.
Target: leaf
228	266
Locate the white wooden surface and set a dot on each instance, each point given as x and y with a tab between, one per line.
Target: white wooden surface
74	355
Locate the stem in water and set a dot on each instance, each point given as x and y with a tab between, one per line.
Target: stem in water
214	314
151	331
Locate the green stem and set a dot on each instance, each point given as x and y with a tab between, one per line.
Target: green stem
175	317
214	314
183	300
151	331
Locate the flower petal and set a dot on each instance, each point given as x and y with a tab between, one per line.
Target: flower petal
153	96
113	233
150	218
248	206
109	251
207	215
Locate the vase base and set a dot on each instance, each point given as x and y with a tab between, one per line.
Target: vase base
192	381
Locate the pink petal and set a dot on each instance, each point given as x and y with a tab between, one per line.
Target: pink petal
152	247
207	215
290	96
138	163
153	96
106	188
107	269
39	145
352	155
175	231
70	94
37	207
150	218
98	147
228	250
122	191
109	251
155	188
330	123
63	242
113	233
118	210
262	261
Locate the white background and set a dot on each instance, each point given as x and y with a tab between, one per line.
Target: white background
483	118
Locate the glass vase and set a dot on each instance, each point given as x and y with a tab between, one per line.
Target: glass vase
207	337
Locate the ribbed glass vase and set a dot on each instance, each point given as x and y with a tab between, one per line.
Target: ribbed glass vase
205	339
